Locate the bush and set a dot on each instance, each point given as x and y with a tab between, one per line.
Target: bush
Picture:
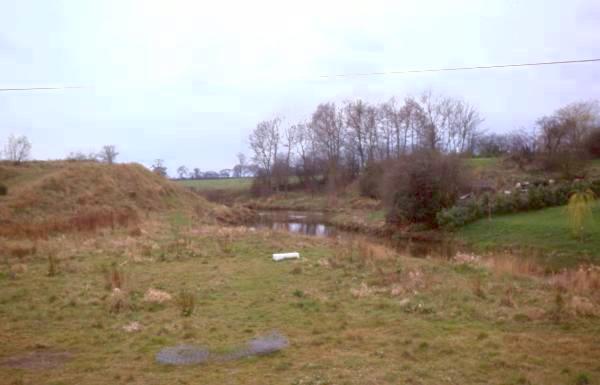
537	197
370	180
457	216
3	189
570	164
261	184
421	185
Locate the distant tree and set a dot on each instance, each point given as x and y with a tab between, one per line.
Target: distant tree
211	175
237	171
522	147
183	172
108	154
562	137
17	149
159	167
81	156
225	173
197	174
251	170
240	167
492	145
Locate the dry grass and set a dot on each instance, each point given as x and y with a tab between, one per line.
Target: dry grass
583	281
512	265
350	324
46	198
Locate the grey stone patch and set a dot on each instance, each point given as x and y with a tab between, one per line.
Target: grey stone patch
259	346
193	355
183	355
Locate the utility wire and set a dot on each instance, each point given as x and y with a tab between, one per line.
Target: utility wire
460	68
372	73
39	88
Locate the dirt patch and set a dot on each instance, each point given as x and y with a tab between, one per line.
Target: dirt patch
37	360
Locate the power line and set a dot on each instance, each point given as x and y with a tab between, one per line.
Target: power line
371	73
460	68
40	88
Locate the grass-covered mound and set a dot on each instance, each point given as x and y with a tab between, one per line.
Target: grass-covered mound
49	197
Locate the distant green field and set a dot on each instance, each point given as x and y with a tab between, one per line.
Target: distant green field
218	184
482	162
545	231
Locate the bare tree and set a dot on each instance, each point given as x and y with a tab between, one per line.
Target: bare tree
328	132
183	172
159	167
522	147
242	164
264	141
196	174
391	126
108	154
355	119
567	128
442	123
307	154
463	127
17	149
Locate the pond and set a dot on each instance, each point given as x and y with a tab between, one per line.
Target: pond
314	223
300	222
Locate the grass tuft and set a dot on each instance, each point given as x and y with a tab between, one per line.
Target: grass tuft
186	301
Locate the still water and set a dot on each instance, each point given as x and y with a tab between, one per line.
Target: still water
317	224
307	223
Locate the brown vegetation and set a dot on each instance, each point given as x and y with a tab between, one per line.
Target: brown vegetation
56	197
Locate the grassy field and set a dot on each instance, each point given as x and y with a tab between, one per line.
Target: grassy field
218	184
546	232
483	162
354	312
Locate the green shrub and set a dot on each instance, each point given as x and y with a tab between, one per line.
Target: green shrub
582	379
537	197
458	216
3	189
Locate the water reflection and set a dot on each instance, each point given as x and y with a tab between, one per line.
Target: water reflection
299	223
315	229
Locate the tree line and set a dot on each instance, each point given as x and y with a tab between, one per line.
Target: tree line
243	169
338	142
409	153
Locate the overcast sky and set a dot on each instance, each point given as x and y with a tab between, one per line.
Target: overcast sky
186	81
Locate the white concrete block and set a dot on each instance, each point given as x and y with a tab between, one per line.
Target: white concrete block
282	256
